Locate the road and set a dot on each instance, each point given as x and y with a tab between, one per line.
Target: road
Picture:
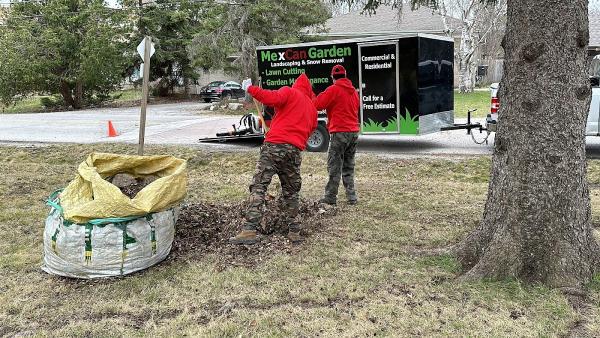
185	123
176	123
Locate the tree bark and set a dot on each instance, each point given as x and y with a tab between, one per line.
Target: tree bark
536	224
65	91
465	58
78	100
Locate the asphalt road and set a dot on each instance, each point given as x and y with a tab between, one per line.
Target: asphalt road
177	123
185	123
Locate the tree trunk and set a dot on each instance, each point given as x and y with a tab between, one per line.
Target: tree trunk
466	75
65	91
536	224
78	100
465	57
248	59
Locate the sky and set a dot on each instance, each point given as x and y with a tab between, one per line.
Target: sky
113	3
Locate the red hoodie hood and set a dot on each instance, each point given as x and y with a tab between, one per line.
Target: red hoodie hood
342	105
295	114
346	85
303	84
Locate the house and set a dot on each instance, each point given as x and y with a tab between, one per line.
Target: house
387	20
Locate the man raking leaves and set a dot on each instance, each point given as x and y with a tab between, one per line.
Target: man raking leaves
295	119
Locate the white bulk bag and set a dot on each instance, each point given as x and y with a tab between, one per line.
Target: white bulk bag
108	248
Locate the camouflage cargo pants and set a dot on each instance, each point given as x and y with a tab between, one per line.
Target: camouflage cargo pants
340	163
283	160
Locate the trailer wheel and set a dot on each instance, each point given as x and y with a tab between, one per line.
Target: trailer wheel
318	140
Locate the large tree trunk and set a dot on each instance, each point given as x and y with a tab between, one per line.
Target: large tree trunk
536	224
65	91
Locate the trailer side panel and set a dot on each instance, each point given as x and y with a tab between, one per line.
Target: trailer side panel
435	85
409	101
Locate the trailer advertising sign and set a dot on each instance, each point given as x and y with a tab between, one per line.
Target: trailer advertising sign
379	88
280	67
405	83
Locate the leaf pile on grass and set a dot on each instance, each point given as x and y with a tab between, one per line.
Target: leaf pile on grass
361	272
205	228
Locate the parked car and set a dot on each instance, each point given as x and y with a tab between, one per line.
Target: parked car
220	90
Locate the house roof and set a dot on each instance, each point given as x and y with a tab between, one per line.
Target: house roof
423	20
385	21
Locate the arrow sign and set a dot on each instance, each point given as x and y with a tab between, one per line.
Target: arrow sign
140	49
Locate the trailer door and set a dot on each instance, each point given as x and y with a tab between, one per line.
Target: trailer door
378	89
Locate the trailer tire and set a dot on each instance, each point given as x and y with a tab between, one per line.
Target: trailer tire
318	140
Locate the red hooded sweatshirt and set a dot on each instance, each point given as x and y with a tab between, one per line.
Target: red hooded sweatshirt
295	115
341	102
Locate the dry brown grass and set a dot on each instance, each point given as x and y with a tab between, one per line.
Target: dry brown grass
360	277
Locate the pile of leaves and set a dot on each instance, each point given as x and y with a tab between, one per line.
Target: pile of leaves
204	229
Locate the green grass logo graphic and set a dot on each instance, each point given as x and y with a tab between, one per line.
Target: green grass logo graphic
389	126
409	125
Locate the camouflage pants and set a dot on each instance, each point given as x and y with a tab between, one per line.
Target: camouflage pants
340	163
283	160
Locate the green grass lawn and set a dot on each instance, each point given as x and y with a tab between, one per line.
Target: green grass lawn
127	95
360	275
34	105
29	105
464	102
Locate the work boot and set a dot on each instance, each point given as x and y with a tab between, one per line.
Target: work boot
295	237
246	237
328	201
352	201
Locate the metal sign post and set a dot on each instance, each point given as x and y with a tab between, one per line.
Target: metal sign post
145	49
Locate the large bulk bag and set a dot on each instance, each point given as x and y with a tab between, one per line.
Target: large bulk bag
94	230
104	250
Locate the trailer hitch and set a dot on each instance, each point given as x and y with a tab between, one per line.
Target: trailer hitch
470	126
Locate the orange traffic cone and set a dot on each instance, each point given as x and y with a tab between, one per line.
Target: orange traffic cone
111	130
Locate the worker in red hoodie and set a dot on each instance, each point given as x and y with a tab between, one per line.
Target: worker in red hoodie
341	102
295	119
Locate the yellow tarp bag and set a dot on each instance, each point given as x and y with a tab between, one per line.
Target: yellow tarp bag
90	196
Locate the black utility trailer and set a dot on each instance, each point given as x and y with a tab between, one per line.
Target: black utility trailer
405	82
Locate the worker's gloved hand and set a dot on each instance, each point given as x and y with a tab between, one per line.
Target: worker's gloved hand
246	84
